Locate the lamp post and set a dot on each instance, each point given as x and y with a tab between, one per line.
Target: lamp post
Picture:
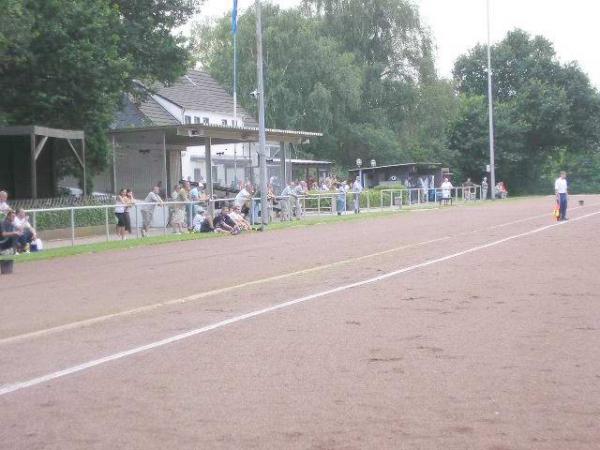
490	107
262	141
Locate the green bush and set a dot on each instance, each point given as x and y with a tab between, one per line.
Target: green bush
62	219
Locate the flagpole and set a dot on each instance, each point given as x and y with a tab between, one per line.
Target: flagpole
262	141
234	30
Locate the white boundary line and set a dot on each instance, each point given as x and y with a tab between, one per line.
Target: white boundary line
8	388
202	295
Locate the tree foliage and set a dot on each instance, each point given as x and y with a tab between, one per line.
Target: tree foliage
367	80
66	63
545	112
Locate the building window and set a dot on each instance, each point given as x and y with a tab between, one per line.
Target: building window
187	119
224	122
196	119
205	120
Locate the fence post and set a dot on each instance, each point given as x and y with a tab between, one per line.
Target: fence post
106	224
318	204
368	200
72	227
165	208
137	228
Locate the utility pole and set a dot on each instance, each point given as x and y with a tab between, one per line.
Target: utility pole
235	119
262	140
490	108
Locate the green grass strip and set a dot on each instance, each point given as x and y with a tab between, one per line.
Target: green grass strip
131	243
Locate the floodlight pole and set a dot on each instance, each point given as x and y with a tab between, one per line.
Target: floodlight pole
235	119
490	108
262	141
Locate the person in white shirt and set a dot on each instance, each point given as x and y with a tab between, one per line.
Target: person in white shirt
28	234
357	189
243	199
561	191
236	216
446	190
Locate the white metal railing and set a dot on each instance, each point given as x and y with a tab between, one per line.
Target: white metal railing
288	207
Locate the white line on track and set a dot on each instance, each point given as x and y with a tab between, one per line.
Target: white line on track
8	388
206	294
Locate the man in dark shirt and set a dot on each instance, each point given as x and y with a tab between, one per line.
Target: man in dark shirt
8	234
224	222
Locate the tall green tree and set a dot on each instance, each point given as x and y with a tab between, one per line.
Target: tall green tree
366	80
544	111
66	63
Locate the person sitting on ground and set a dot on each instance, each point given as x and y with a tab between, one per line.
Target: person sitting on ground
238	218
152	199
8	234
4	207
224	222
198	220
207	225
28	235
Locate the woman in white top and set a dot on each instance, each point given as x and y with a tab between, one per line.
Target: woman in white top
121	214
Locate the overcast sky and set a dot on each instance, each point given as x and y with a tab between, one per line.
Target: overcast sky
457	25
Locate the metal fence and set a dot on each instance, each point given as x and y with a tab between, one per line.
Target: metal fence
97	222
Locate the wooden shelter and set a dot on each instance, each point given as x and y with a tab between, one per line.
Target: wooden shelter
20	170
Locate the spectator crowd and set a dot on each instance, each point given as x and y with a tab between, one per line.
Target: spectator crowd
189	209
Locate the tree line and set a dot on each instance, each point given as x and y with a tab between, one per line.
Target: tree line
361	71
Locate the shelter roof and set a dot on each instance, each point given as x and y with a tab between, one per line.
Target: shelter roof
197	134
417	164
41	131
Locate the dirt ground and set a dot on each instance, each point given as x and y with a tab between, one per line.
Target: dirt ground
474	327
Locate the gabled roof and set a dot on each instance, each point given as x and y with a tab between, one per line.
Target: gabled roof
143	114
194	91
197	90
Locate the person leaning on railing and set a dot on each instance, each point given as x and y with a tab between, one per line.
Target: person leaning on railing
286	201
123	223
152	199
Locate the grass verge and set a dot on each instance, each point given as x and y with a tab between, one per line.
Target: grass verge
101	247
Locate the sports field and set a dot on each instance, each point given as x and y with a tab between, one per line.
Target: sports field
472	327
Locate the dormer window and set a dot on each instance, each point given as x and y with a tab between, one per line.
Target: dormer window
205	120
196	119
187	119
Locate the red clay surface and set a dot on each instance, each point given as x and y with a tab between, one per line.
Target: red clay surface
494	349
